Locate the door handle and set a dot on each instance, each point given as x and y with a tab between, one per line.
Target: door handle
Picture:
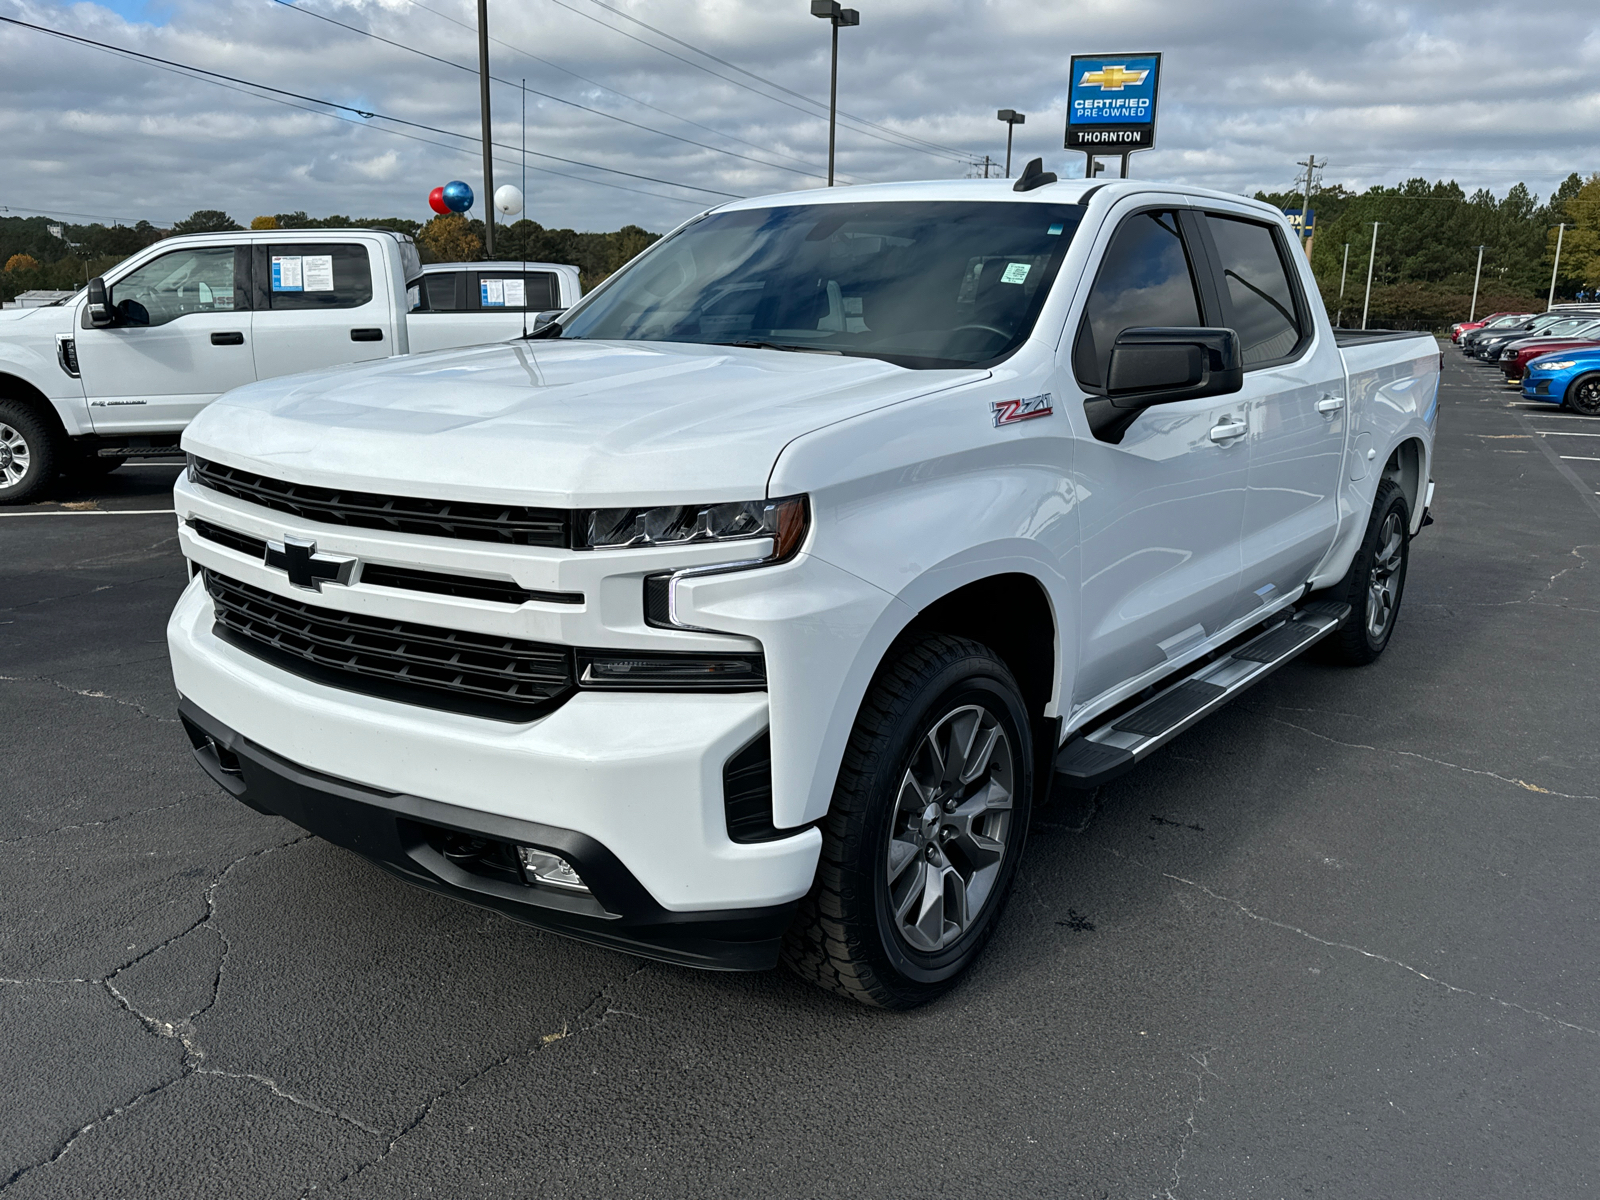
366	335
227	339
1228	430
1330	404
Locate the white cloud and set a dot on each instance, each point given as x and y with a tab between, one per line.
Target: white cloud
1486	93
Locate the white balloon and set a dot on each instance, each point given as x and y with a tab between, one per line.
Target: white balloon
508	199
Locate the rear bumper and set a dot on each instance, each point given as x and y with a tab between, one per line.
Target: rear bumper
410	837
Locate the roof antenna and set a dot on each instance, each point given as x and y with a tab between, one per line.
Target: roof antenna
1034	176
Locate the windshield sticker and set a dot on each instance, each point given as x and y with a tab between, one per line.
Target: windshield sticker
1055	230
316	272
1016	273
287	273
1009	412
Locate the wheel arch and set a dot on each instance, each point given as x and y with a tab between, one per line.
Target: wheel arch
1407	465
15	387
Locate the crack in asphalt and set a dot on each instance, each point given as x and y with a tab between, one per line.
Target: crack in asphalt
90	694
127	816
602	997
1202	1060
1336	945
1515	782
181	1030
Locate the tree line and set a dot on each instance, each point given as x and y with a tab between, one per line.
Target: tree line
34	257
1427	248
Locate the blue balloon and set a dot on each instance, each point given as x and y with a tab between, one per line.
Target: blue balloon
458	196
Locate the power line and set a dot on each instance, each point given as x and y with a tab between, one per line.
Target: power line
954	155
218	75
607	88
769	82
546	95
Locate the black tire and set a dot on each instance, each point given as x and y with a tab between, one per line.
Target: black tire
1583	394
850	935
1375	583
29	453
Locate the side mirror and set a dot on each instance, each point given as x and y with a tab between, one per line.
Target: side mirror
546	324
98	310
1161	366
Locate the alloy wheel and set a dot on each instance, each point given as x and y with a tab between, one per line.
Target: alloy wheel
1383	585
1585	397
15	457
950	828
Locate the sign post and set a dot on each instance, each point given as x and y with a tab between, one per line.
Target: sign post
1111	106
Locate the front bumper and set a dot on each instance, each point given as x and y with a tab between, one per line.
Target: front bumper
419	841
1549	388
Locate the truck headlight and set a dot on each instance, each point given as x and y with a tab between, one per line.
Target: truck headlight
784	521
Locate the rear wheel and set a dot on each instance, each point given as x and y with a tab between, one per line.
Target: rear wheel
1583	394
1375	583
28	453
927	826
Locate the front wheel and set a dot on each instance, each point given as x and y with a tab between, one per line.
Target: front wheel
1583	394
928	821
28	453
1375	583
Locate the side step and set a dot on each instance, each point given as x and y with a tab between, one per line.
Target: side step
1113	748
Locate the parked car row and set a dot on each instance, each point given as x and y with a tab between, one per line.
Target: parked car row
1554	355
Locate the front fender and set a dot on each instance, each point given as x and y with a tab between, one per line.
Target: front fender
28	355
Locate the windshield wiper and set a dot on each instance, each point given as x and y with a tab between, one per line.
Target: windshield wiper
779	346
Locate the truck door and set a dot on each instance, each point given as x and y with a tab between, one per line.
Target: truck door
181	339
1160	510
1294	395
320	304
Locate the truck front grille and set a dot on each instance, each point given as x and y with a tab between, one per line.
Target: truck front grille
504	678
508	524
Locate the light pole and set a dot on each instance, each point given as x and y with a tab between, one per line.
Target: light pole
1343	271
1476	275
488	141
1561	232
1371	258
830	11
1012	118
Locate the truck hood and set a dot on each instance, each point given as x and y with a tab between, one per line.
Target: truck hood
552	423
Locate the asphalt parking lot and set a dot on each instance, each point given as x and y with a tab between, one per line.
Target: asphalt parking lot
1339	940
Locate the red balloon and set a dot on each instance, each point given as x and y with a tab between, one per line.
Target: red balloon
436	202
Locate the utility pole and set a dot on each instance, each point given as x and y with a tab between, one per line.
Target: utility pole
1343	271
830	11
1372	257
488	140
1561	232
1311	164
986	166
1476	275
1012	118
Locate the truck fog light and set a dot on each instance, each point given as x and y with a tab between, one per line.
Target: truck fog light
552	870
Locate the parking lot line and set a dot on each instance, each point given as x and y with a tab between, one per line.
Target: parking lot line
1580	458
1562	433
97	512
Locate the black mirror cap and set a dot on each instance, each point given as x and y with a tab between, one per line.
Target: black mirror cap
97	310
1160	366
1033	176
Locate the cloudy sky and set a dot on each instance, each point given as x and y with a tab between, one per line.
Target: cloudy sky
1487	94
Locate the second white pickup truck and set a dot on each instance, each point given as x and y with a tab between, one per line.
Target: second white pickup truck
123	365
747	610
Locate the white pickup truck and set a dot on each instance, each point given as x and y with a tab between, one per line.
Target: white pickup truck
746	611
122	366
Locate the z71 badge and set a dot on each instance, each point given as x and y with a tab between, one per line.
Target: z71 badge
1009	412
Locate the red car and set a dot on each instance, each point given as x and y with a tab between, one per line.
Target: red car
1514	358
1461	327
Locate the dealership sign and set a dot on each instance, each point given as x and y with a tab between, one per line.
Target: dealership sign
1111	103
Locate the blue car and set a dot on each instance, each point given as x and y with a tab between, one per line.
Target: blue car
1570	378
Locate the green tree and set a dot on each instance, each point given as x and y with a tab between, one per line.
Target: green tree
206	220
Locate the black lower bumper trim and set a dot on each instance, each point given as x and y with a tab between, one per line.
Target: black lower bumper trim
414	839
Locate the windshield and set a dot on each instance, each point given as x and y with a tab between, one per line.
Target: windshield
941	284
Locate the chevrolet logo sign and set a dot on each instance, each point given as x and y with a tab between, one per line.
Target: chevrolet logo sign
305	567
1113	78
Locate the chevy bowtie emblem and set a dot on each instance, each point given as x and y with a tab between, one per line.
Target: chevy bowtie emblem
305	567
1113	78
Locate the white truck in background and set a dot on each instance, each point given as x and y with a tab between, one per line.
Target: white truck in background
119	368
744	611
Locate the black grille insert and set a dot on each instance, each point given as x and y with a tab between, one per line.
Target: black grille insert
507	524
747	794
505	678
